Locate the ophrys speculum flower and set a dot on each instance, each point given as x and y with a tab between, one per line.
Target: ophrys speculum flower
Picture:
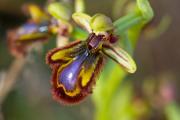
43	23
77	65
36	29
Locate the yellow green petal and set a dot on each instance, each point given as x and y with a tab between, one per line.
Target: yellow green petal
121	57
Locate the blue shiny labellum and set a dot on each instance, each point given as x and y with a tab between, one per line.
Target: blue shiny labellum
28	28
68	76
43	27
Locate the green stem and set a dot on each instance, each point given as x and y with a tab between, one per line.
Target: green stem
107	92
129	28
141	15
126	23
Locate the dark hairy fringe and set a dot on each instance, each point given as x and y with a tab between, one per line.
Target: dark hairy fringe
60	95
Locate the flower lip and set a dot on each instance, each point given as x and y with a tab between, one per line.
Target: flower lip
68	76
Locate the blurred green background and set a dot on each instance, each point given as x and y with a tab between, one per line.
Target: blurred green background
152	93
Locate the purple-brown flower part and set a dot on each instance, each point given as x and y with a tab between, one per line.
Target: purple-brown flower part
20	39
74	73
76	66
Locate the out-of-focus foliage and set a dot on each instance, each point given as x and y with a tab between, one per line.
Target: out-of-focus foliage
117	96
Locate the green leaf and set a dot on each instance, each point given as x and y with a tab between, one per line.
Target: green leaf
172	111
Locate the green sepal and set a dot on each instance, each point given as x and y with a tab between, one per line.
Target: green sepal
83	20
101	23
